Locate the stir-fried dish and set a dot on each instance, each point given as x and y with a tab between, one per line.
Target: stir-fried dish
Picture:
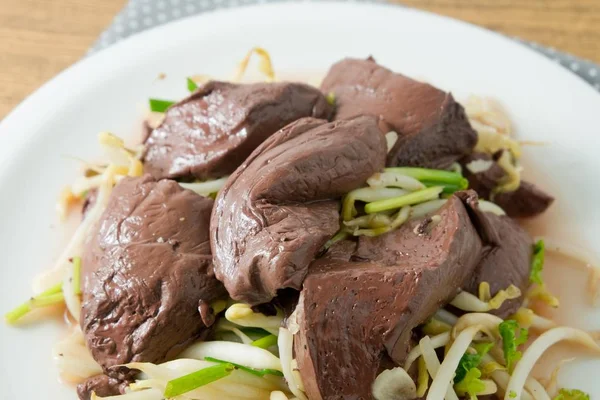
279	241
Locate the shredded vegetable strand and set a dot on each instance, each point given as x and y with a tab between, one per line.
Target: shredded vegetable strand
285	342
442	381
467	302
416	197
538	392
205	188
433	366
435	342
537	348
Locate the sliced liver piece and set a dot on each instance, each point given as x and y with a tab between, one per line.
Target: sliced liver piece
210	133
279	208
148	279
506	257
353	315
102	385
433	129
525	202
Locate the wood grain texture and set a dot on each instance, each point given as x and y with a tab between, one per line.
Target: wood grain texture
40	38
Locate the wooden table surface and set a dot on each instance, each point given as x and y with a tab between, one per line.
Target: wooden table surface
39	38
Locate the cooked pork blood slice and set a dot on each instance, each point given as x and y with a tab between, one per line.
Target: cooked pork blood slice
102	385
506	258
352	314
146	271
527	201
433	130
210	133
278	209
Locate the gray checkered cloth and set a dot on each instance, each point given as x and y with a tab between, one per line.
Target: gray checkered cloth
139	15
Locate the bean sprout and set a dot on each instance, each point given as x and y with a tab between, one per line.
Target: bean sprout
535	351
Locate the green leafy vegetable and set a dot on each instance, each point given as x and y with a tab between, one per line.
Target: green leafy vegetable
571	394
257	372
48	297
471	384
191	85
510	341
265	342
197	379
470	361
416	197
537	264
157	105
77	275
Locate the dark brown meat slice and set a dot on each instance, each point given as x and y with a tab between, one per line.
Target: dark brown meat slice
433	129
353	315
506	257
210	133
525	202
147	274
279	208
102	385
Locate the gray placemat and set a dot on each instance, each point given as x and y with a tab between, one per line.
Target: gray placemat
139	15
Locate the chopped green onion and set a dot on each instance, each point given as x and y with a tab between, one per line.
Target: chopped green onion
17	313
51	290
44	301
77	275
191	85
51	296
257	372
157	105
537	263
265	342
510	341
197	379
419	196
448	187
339	236
433	175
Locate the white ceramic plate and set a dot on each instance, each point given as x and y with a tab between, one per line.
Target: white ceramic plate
108	91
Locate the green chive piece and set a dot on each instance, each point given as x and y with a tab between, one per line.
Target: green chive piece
44	301
17	313
48	297
157	105
191	85
257	372
433	175
419	196
77	276
197	379
265	342
449	188
52	290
